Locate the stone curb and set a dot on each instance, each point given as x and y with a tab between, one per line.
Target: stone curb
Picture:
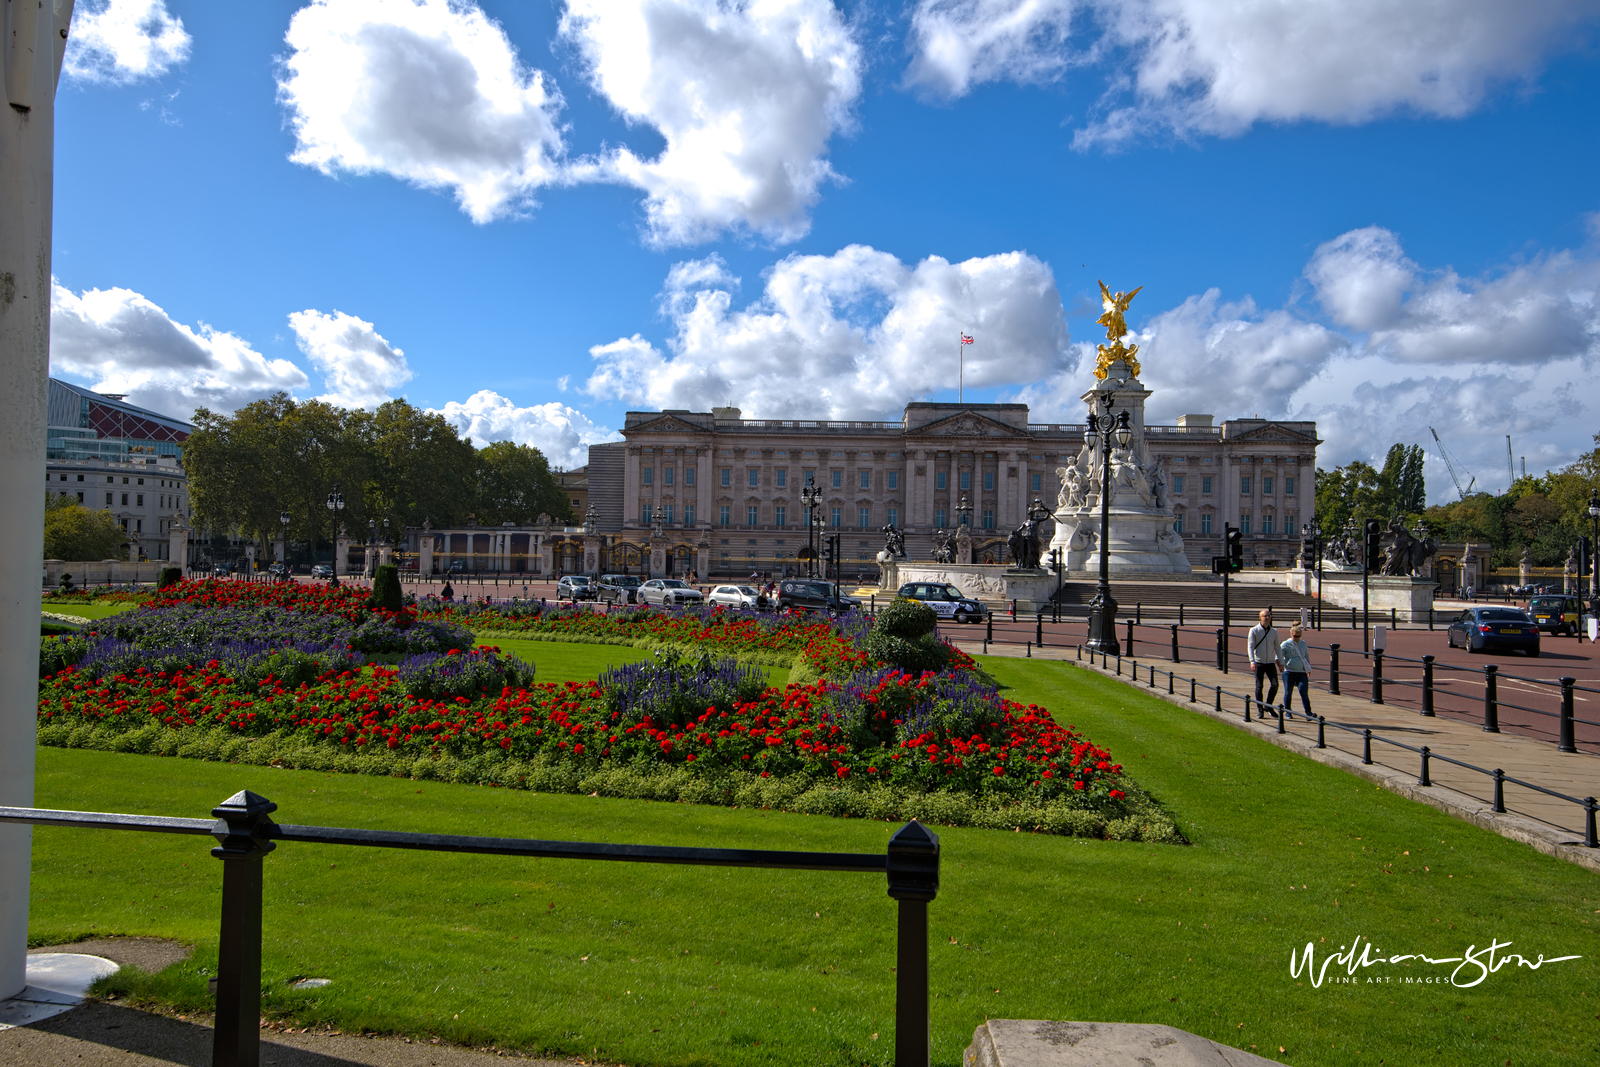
1547	839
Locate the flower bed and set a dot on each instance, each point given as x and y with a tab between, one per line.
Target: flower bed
884	744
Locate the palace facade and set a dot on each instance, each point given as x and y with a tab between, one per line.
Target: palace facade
721	494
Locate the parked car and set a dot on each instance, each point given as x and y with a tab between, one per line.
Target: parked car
322	570
740	596
1557	614
278	570
220	570
1492	629
575	587
616	589
808	594
947	601
668	593
456	567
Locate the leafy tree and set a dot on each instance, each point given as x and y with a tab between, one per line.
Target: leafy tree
516	484
74	532
421	468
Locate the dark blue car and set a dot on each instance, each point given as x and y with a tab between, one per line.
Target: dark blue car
1494	629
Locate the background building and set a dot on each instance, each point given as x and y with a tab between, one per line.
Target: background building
116	457
716	477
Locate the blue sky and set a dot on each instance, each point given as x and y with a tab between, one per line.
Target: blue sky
535	216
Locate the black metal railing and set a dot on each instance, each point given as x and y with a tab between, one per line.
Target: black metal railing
246	833
1264	711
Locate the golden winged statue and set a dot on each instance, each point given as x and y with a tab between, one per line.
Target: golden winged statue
1115	305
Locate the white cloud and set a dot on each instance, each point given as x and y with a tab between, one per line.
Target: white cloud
359	367
123	40
1526	315
745	95
1203	67
122	343
562	433
429	91
851	335
960	43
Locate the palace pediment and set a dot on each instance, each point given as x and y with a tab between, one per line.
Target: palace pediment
968	424
666	424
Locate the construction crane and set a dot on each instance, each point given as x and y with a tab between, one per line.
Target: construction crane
1451	467
1511	468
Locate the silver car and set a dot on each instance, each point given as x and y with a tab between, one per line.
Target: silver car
739	596
668	592
575	587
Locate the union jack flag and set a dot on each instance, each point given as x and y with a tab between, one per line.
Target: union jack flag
965	339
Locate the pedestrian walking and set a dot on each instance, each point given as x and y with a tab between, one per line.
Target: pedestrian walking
1295	655
1264	642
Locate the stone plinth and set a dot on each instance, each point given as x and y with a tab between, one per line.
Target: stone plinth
1031	589
1035	1043
1410	598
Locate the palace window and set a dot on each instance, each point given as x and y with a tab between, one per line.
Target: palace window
1266	524
1177	483
644	514
755	477
780	516
863	517
938	518
1266	485
966	479
1289	523
1244	524
724	516
988	481
894	516
838	479
1037	483
1288	485
140	501
836	519
1177	522
866	479
894	479
938	479
988	518
781	477
666	513
1244	485
647	475
752	515
666	475
688	514
688	476
727	476
1205	523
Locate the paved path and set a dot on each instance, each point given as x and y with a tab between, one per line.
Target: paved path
1551	825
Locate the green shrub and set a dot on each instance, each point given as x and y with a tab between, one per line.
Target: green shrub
386	592
169	576
910	619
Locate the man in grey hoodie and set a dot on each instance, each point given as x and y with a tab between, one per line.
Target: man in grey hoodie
1263	643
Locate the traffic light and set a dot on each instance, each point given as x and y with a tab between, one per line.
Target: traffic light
1235	550
827	550
1055	560
1373	541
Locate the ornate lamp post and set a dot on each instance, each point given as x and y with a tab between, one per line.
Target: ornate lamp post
1594	550
283	524
335	505
963	513
1311	540
811	497
1105	433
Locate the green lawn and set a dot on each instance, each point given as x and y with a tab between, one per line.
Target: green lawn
670	965
561	661
87	611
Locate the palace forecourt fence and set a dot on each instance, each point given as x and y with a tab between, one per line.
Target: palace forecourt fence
246	833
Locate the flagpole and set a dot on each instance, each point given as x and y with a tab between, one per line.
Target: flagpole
961	368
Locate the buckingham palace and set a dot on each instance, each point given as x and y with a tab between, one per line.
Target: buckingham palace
724	491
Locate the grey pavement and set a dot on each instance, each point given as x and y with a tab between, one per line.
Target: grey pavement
1551	825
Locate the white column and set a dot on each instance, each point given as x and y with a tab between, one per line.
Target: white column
32	60
630	489
1025	487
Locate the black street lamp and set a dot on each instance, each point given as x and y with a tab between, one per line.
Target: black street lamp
1311	541
1594	550
1105	433
335	505
963	513
283	521
811	497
